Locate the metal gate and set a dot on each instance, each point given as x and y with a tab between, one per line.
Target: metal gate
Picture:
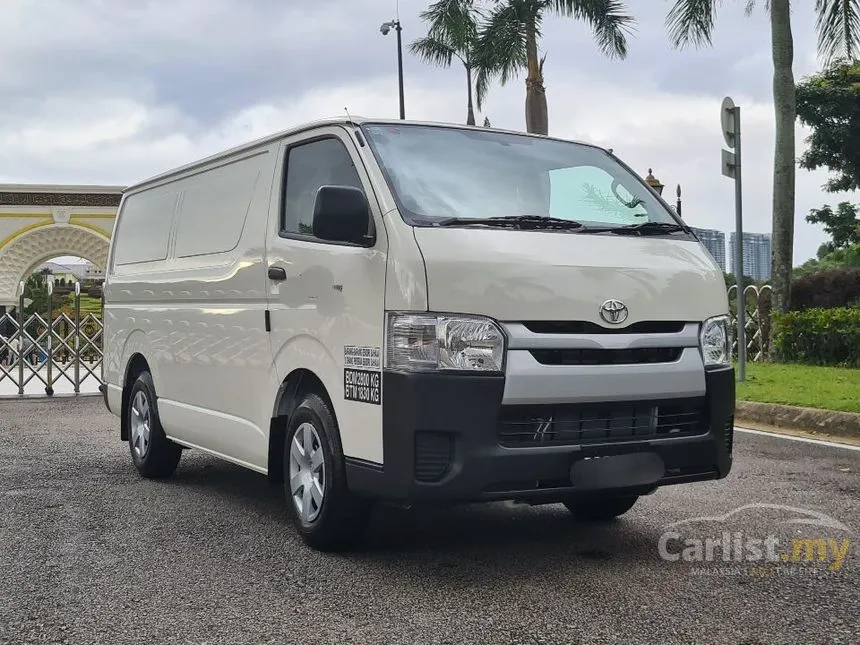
44	353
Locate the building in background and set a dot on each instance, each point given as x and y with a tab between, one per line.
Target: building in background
756	249
715	242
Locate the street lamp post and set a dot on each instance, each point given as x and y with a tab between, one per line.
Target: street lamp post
384	29
652	181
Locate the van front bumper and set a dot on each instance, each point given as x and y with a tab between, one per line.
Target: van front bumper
444	441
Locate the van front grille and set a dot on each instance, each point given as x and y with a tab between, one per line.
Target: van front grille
586	327
637	356
568	424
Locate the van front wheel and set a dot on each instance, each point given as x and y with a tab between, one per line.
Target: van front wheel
154	455
326	516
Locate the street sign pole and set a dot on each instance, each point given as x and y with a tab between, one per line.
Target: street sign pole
730	118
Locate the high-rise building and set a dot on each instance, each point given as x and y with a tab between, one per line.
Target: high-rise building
715	242
756	250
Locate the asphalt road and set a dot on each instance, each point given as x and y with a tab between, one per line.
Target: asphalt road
91	553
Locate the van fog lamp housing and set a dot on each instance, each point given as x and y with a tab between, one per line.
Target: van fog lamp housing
715	341
430	342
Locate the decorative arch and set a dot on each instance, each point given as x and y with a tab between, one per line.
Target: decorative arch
23	254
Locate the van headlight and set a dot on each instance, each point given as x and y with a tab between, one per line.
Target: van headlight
715	340
428	342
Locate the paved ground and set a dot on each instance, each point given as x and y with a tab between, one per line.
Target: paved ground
90	553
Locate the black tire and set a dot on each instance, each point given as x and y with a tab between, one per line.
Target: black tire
159	459
338	522
600	510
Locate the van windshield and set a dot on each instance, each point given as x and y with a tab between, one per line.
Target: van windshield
437	173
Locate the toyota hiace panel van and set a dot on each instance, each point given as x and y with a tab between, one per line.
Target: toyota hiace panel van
392	311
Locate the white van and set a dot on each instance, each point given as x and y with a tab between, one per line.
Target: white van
374	310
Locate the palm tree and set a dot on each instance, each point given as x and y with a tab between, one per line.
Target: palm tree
838	27
509	38
452	34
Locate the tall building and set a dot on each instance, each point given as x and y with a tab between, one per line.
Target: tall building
715	242
756	250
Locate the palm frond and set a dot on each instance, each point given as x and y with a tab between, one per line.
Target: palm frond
453	22
433	50
691	22
500	49
608	18
838	27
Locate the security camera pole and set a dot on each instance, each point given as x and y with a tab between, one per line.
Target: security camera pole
730	118
384	29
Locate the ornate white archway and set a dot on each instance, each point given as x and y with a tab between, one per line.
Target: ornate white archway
24	253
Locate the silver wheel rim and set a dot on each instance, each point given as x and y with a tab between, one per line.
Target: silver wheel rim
307	472
141	425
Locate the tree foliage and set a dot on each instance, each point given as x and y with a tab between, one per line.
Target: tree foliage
452	33
509	43
829	103
842	225
843	258
36	289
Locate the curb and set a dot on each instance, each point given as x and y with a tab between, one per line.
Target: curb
787	417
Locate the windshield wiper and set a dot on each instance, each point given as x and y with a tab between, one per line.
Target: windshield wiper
645	228
513	221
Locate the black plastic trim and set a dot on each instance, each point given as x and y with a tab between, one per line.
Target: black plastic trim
468	407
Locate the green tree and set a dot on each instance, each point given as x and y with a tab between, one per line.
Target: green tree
842	258
829	104
837	21
842	225
452	33
36	289
508	43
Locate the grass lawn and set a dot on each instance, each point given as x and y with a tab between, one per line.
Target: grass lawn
830	388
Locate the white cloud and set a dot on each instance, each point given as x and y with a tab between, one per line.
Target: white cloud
126	120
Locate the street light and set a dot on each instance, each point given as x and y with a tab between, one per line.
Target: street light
384	29
652	181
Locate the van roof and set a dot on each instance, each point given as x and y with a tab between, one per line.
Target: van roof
311	125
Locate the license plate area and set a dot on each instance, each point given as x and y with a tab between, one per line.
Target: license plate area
617	471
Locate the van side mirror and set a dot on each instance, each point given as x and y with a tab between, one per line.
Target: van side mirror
341	214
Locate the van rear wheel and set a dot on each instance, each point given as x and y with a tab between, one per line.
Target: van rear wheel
325	514
154	455
600	510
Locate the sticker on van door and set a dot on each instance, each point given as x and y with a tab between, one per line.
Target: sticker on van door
362	380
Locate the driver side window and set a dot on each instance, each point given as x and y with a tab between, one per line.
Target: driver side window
588	194
309	166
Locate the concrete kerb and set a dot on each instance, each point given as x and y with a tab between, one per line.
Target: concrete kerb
812	421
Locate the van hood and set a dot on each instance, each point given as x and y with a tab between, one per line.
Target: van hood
515	275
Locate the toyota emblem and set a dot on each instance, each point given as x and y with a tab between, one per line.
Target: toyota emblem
614	312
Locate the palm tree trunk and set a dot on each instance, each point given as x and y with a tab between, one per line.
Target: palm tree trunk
537	119
470	113
784	101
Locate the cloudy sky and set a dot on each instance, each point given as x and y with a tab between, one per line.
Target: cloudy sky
112	91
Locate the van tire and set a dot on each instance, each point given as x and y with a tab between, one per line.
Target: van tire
337	521
160	456
600	510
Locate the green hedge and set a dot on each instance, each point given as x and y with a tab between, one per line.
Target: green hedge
819	336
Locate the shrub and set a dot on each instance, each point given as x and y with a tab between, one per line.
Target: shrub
828	288
819	336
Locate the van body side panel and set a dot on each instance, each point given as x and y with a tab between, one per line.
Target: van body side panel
197	316
328	315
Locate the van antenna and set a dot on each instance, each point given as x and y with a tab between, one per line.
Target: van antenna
348	116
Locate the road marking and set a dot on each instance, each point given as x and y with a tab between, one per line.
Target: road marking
789	437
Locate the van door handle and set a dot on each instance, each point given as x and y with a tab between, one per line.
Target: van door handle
277	273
